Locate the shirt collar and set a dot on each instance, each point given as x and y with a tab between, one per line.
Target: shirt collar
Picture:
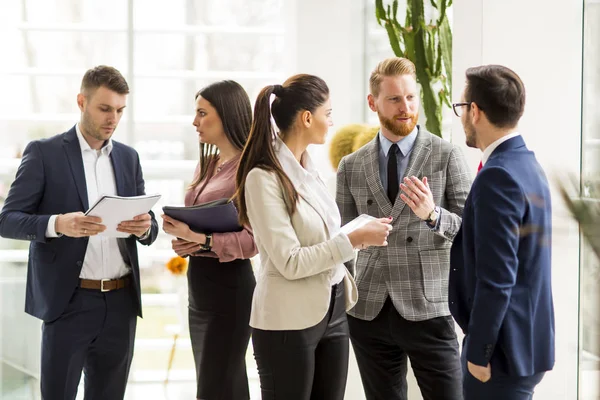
296	172
405	144
84	145
490	149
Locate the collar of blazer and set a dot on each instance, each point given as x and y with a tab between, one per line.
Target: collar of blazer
299	176
73	149
418	157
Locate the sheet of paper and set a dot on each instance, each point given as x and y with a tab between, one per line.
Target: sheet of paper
116	209
357	223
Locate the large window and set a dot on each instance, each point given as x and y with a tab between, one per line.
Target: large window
590	175
167	51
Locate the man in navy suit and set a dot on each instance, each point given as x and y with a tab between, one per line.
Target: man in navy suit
500	289
85	287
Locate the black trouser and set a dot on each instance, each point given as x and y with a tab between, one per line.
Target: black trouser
500	386
305	364
382	345
95	334
220	299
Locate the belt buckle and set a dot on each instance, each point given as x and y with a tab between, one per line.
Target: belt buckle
102	285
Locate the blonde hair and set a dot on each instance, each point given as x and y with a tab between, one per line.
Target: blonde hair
393	66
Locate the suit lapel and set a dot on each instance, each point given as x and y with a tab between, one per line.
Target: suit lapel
309	197
373	178
418	157
115	160
73	151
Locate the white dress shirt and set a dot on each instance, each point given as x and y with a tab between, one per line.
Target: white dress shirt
102	260
490	149
308	174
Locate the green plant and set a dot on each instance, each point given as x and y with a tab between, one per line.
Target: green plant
428	44
585	210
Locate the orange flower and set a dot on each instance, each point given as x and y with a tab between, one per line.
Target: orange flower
177	265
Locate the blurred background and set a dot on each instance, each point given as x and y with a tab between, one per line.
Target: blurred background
169	50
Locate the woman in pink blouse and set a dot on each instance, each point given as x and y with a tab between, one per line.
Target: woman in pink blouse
220	276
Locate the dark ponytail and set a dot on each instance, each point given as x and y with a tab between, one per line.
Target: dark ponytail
298	93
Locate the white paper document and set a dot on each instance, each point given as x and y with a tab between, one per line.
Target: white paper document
357	223
115	209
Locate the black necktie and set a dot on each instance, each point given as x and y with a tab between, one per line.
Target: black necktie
392	174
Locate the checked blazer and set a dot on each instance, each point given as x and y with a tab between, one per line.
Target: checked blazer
414	268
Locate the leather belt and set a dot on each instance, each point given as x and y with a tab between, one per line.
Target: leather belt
105	285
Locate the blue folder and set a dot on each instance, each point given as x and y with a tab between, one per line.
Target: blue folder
217	216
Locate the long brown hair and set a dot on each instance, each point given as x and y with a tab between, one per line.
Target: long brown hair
232	104
299	93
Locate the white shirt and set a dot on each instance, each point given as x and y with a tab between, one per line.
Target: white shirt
490	149
309	175
102	260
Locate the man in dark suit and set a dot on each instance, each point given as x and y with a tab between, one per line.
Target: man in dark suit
500	290
84	286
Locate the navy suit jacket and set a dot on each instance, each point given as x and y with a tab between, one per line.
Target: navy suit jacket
500	290
51	180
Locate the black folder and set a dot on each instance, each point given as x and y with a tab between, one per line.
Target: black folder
217	216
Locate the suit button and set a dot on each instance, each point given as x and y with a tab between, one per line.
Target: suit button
369	202
33	237
79	263
409	239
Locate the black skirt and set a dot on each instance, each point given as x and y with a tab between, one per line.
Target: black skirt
220	300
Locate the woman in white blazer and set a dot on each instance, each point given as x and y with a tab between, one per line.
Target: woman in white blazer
303	290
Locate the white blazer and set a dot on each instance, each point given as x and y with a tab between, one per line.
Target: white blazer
298	255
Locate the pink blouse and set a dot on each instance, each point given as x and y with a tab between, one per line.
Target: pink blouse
225	246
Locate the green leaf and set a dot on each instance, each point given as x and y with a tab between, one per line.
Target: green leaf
409	45
379	11
433	4
395	10
442	13
438	60
394	40
446	45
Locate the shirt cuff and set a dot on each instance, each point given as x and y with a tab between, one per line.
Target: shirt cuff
345	251
436	226
145	235
50	229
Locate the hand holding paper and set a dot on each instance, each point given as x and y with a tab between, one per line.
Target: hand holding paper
77	224
138	226
365	231
124	216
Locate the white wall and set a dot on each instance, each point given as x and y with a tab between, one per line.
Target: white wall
541	41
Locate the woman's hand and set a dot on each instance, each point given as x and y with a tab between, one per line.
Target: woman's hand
176	228
181	230
375	233
183	248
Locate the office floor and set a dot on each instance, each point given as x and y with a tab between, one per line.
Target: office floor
135	391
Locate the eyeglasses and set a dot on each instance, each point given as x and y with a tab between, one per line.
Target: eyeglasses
457	107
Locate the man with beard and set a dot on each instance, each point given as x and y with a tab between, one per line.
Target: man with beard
500	284
402	310
84	287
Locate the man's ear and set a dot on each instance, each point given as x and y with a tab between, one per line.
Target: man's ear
81	100
476	112
306	118
371	101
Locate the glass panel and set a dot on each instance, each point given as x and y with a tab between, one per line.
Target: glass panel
63	50
590	266
178	49
229	13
